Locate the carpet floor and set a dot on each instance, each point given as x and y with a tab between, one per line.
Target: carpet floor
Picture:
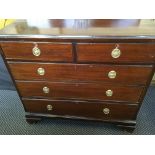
12	121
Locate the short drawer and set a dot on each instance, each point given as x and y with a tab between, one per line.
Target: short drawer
128	74
121	52
83	91
38	51
103	111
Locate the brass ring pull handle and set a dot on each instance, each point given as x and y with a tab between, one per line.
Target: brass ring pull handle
106	111
36	51
116	53
49	107
109	93
46	90
41	71
112	74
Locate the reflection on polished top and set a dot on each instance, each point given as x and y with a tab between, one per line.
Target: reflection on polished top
81	27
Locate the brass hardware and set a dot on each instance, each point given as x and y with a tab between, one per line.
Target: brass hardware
112	74
46	90
109	92
116	53
41	71
36	51
106	111
49	107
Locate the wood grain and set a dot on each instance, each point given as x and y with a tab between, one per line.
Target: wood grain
76	56
131	53
127	74
82	109
79	91
49	51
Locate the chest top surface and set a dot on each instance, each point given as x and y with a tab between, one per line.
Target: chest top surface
80	28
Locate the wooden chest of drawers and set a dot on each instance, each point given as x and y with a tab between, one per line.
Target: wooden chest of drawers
103	78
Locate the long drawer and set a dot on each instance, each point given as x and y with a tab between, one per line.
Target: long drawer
84	91
105	111
125	52
128	74
39	51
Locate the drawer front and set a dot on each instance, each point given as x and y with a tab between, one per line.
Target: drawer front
104	52
81	72
85	91
82	109
39	51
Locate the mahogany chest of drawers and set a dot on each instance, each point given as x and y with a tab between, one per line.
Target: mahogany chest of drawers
75	76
